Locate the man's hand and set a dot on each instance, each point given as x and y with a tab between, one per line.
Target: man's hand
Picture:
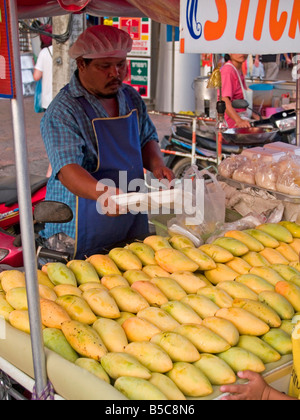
163	172
256	389
153	161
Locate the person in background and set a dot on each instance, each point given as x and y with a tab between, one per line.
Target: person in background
271	63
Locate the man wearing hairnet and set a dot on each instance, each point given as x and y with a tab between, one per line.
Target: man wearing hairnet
99	138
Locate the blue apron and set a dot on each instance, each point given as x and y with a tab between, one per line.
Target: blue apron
119	149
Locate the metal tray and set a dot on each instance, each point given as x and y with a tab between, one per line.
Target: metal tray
250	136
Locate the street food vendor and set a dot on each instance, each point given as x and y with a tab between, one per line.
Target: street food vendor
97	132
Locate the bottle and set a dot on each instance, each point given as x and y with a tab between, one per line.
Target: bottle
221	126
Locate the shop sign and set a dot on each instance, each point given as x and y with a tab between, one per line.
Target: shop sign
139	75
140	31
240	26
6	78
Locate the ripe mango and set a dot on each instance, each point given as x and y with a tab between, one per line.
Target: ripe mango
244	237
55	340
167	386
44	280
223	328
273	256
93	367
84	271
268	274
279	232
178	347
244	321
59	273
288	326
88	286
294	228
286	272
204	339
221	273
295	245
180	242
144	252
295	280
260	348
278	303
17	298
291	292
202	305
128	300
239	265
157	242
287	252
170	287
263	237
125	259
53	315
159	318
153	295
255	260
151	356
171	260
102	303
200	258
112	281
216	295
84	340
260	310
122	364
20	320
66	289
237	290
235	247
47	293
216	370
104	265
188	281
155	271
11	279
111	333
240	360
255	283
77	308
279	340
183	313
5	308
135	275
190	380
138	389
123	317
217	253
139	329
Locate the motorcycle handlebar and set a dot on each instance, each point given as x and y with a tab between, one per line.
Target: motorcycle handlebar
53	255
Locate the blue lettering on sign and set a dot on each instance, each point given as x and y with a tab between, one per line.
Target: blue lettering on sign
194	27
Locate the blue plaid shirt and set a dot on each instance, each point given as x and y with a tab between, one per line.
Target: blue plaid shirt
69	139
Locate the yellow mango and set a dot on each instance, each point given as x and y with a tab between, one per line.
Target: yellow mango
55	340
111	333
266	239
188	281
53	315
204	339
47	293
84	271
295	245
77	308
280	340
5	308
223	328
255	283
291	292
157	242
295	280
279	232
104	265
255	260
237	290
190	380
67	289
84	340
150	355
93	367
123	317
200	258
202	277
287	326
268	274
128	300
217	253
161	319
153	295
144	252
248	240
286	272
139	329
216	295
278	303
260	348
180	242
122	364
44	280
221	273
239	265
260	310
20	320
155	271
202	305
287	252
244	321
59	273
178	347
115	280
169	287
240	360
138	389
294	228
125	259
135	275
183	313
216	370
11	279
102	303
273	256
235	247
88	286
17	298
171	260
166	386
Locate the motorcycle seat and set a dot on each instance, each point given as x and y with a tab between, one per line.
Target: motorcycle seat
9	192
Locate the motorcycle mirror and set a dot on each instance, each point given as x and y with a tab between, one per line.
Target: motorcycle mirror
240	104
52	212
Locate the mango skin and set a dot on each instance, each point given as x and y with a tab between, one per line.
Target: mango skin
199	257
167	386
128	299
287	252
144	252
202	305
59	273
157	242
217	253
169	287
183	313
133	276
178	347
279	340
239	265
255	283
17	298
55	340
112	281
125	259
155	271
278	303
273	256
20	320
138	389
102	303
216	370
83	271
172	260
138	329
180	242
237	248
244	321
53	315
259	309
150	355
123	364
260	348
280	233
294	228
237	290
255	259
291	292
268	274
244	237
223	328
220	274
188	281
158	317
93	367
104	265
285	271
5	308
263	237
11	279
153	295
77	308
216	295
112	334
240	360
66	289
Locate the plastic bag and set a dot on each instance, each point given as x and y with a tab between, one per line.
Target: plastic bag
38	97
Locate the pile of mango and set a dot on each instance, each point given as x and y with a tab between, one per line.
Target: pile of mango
161	319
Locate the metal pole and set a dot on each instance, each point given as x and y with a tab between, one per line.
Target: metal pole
298	101
24	200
